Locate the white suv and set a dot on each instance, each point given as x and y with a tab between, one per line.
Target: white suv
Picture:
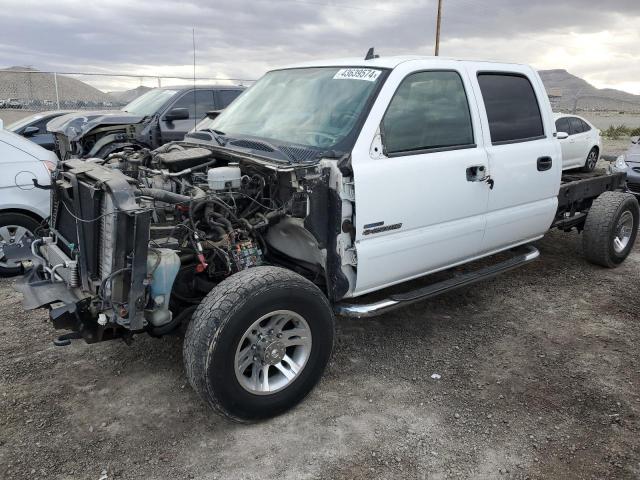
22	205
580	141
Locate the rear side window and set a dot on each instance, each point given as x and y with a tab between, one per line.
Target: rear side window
428	111
225	97
562	125
585	125
512	107
576	125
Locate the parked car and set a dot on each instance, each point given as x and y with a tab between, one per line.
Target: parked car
246	234
34	127
12	103
23	206
632	159
159	116
580	141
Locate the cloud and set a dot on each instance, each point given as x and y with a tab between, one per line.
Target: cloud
244	38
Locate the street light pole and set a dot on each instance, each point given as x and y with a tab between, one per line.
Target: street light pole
438	27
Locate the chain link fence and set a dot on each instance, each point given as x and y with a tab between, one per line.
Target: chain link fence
23	91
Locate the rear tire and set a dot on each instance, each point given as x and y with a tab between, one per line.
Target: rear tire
591	161
13	228
257	311
610	229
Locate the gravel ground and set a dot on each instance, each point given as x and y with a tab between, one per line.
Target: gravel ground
539	378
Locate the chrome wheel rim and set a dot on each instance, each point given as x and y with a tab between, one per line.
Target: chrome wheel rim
592	159
624	229
273	352
12	235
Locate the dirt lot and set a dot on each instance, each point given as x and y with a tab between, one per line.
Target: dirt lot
540	378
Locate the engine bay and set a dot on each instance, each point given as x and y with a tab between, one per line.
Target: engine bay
139	238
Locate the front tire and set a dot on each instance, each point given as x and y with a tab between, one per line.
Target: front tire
258	343
610	229
14	228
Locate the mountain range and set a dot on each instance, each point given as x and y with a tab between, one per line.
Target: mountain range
566	91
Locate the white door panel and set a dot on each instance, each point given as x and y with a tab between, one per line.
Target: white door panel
523	201
440	212
519	222
434	216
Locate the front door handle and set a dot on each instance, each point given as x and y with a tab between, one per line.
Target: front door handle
544	164
476	173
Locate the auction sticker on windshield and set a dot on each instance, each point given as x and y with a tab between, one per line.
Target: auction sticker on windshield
367	74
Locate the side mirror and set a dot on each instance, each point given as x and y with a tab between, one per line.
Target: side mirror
212	114
562	135
635	139
30	131
177	114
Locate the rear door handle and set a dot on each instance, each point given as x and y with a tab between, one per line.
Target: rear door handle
544	164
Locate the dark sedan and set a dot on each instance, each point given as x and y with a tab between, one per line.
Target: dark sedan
34	127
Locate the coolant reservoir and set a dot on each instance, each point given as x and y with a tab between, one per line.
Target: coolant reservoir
163	265
224	178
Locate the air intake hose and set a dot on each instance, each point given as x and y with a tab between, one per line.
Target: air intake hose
164	195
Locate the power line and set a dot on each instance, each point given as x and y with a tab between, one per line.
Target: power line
99	74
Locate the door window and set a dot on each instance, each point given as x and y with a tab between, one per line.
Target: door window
225	97
585	125
576	125
562	125
512	107
198	106
428	111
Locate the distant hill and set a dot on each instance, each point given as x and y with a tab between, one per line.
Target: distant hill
126	96
29	87
568	92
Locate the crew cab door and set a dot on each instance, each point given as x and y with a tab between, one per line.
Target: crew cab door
525	161
197	105
418	165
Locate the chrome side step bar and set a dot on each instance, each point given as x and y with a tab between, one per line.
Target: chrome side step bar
523	255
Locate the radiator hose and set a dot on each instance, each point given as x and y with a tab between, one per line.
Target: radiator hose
164	195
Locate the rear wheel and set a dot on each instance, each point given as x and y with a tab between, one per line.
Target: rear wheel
16	229
258	343
611	228
592	160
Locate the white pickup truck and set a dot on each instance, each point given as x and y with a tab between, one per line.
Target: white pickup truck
321	184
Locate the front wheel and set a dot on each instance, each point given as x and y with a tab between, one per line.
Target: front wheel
258	343
16	231
611	228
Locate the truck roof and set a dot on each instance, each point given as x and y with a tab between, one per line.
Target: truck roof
385	62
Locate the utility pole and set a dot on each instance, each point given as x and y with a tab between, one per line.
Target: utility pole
438	27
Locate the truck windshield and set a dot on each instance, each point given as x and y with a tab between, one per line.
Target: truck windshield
150	102
314	107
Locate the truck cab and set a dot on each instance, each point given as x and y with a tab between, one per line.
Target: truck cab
467	156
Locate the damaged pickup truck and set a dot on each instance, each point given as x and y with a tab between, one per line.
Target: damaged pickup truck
323	183
159	116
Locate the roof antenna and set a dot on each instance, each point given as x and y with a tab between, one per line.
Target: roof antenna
371	54
195	105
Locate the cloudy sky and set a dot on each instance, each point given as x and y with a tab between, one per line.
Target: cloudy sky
597	40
